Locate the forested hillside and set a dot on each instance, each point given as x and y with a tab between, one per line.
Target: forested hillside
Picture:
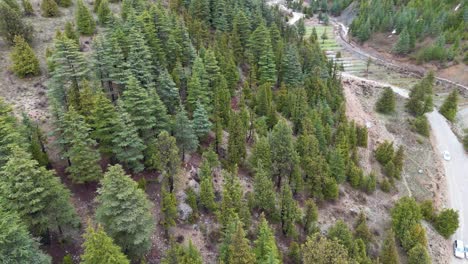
429	30
213	116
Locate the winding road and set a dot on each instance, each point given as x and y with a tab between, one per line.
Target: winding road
456	169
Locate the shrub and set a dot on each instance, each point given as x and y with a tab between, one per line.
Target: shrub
12	24
449	107
84	20
27	8
386	102
389	169
427	210
64	3
384	152
421	125
446	222
49	8
418	255
362	136
142	184
385	185
24	60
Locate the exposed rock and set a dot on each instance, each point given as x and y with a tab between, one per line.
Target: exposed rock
184	211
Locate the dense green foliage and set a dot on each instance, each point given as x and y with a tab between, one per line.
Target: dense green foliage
100	248
16	243
12	24
24	60
125	212
219	109
415	21
386	102
450	106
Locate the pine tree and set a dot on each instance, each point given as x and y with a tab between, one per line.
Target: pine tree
84	20
261	155
240	251
386	102
16	244
191	200
164	157
340	232
71	33
264	193
236	140
449	107
291	68
212	70
104	12
289	212
138	104
83	158
310	217
11	25
70	68
197	87
64	3
184	133
168	209
403	45
361	230
128	219
207	195
24	60
182	255
104	120
232	198
320	250
337	166
420	98
168	91
27	8
283	154
201	123
140	61
49	8
100	248
419	255
266	250
39	197
36	141
389	253
9	132
267	65
127	145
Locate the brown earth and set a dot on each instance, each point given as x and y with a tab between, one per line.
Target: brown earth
360	101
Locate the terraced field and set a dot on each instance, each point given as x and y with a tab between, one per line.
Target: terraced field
332	49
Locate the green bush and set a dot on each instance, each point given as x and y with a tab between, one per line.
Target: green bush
449	107
142	184
419	255
49	8
386	102
27	8
427	210
385	185
24	60
421	125
446	222
384	152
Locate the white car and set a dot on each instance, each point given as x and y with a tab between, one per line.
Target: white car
458	249
446	155
466	251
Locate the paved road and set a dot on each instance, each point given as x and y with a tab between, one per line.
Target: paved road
456	171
